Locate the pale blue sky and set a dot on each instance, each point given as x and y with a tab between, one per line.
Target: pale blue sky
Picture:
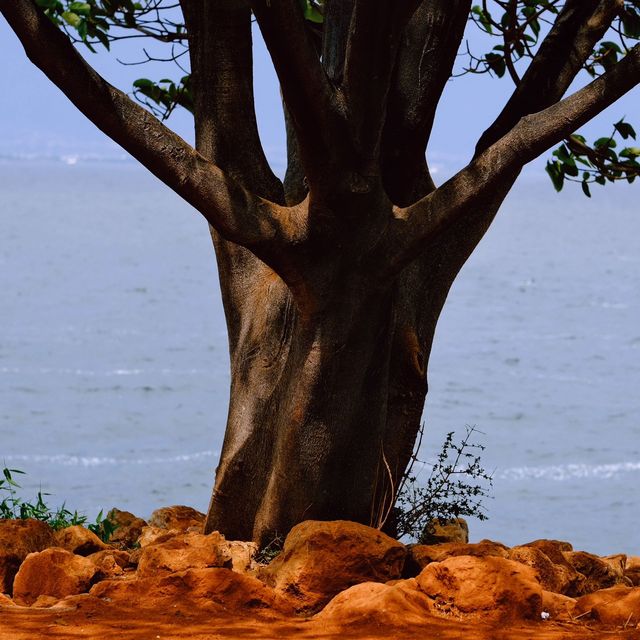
35	118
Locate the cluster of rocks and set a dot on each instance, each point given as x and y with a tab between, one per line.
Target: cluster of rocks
327	570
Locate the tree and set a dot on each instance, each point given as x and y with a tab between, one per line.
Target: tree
333	280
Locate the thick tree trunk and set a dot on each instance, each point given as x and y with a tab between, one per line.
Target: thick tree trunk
325	407
309	411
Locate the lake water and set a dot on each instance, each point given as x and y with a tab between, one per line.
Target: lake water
114	366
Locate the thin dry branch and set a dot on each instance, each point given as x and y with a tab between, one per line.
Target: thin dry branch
236	213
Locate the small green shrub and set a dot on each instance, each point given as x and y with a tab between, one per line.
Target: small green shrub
13	507
456	487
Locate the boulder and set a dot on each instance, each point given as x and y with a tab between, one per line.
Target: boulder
377	604
44	602
128	528
178	517
553	549
152	535
110	563
618	606
19	538
221	590
79	540
182	552
6	601
420	555
242	555
559	607
321	559
632	570
52	572
599	574
454	530
548	577
491	588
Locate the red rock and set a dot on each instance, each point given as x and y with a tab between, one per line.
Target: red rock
632	570
598	573
177	517
374	603
454	530
553	549
242	555
128	528
618	563
321	559
182	552
79	540
6	601
18	538
540	563
52	572
220	589
560	608
617	606
420	555
121	558
44	602
110	563
153	535
490	587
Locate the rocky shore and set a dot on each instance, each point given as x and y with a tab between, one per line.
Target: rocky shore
165	579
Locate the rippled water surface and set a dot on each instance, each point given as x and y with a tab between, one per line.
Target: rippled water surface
114	369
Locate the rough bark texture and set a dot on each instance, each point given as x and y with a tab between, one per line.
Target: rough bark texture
333	282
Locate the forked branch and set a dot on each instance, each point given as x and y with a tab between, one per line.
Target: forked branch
414	227
424	64
236	213
569	43
309	96
374	37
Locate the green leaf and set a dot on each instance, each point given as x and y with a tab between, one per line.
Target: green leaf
496	63
631	23
143	83
585	188
81	8
625	130
604	143
71	18
484	17
554	169
311	12
630	152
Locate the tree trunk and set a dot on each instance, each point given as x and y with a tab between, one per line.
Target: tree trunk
325	407
308	412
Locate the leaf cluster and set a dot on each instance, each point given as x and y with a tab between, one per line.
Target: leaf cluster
456	487
91	21
576	161
13	507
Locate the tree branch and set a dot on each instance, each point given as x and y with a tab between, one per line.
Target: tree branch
237	214
412	228
374	37
311	100
578	27
335	34
425	61
220	50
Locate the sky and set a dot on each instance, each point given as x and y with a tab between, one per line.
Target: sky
36	119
